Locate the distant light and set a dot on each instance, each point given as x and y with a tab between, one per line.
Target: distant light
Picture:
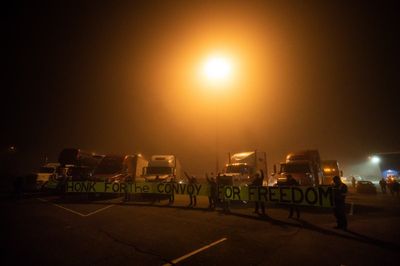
217	68
375	159
12	149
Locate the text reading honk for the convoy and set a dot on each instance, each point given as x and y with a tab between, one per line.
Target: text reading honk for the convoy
158	188
321	196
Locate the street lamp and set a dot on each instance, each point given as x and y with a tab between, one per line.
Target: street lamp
375	159
217	70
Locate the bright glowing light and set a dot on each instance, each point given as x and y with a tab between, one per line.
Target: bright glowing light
375	159
217	68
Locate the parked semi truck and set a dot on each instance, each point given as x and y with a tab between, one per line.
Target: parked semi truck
163	168
330	169
242	167
73	164
77	164
304	166
78	157
119	168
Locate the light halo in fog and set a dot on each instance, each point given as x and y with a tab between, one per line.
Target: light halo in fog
217	68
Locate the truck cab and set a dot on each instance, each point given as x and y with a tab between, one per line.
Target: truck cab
162	168
303	166
237	173
299	170
330	169
242	167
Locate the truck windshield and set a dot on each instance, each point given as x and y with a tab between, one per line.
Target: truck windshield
295	168
47	170
159	170
109	165
330	171
73	171
242	169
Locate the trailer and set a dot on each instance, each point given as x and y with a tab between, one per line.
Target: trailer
119	168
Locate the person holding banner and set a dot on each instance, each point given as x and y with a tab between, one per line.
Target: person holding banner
171	197
383	184
340	191
258	182
212	197
192	180
290	183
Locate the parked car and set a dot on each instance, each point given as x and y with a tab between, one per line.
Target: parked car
366	187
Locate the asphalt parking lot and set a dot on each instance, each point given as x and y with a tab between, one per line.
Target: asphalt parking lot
51	230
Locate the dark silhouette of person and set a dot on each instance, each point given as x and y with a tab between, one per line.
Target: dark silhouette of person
353	182
292	208
396	187
390	185
171	197
220	197
212	197
258	182
218	180
340	191
191	181
383	184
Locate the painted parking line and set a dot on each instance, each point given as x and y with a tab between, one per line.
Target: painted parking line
195	252
76	212
99	210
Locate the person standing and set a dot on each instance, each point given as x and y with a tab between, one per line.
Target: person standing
390	184
383	184
212	197
171	197
257	182
340	191
220	193
353	182
291	182
191	181
396	187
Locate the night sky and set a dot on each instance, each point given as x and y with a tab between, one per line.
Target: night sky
119	78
